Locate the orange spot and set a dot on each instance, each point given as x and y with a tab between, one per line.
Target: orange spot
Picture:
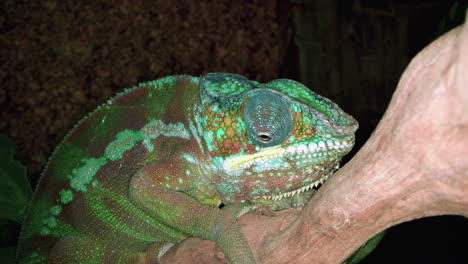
227	120
227	144
235	151
229	132
237	145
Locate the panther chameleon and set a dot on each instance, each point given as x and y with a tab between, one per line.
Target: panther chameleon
177	157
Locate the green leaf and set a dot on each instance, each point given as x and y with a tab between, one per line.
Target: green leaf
365	249
15	190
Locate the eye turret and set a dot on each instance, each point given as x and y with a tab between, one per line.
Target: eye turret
268	119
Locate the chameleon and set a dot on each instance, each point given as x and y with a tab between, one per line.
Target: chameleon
178	157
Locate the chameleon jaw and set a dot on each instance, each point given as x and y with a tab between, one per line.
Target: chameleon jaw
280	168
297	191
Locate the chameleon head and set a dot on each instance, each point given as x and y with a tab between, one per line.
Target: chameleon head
270	140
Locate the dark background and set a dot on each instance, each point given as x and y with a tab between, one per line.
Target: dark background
61	59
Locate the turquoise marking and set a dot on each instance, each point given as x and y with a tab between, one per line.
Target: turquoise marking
209	137
176	130
148	145
220	133
260	188
292	139
125	140
231	85
152	130
228	188
84	175
273	164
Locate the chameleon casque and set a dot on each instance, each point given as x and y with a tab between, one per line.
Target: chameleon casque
178	157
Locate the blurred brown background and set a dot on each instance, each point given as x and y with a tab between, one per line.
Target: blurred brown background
61	59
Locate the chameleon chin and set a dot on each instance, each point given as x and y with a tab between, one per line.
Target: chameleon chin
150	167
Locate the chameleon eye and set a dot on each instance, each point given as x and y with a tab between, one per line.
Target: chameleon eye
264	137
268	119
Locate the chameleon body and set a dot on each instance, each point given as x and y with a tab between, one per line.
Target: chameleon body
178	157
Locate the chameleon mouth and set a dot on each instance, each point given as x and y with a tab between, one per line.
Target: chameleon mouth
297	191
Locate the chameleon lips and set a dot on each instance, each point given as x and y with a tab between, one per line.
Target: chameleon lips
299	153
245	161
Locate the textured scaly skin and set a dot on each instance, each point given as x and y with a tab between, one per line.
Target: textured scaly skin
152	166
